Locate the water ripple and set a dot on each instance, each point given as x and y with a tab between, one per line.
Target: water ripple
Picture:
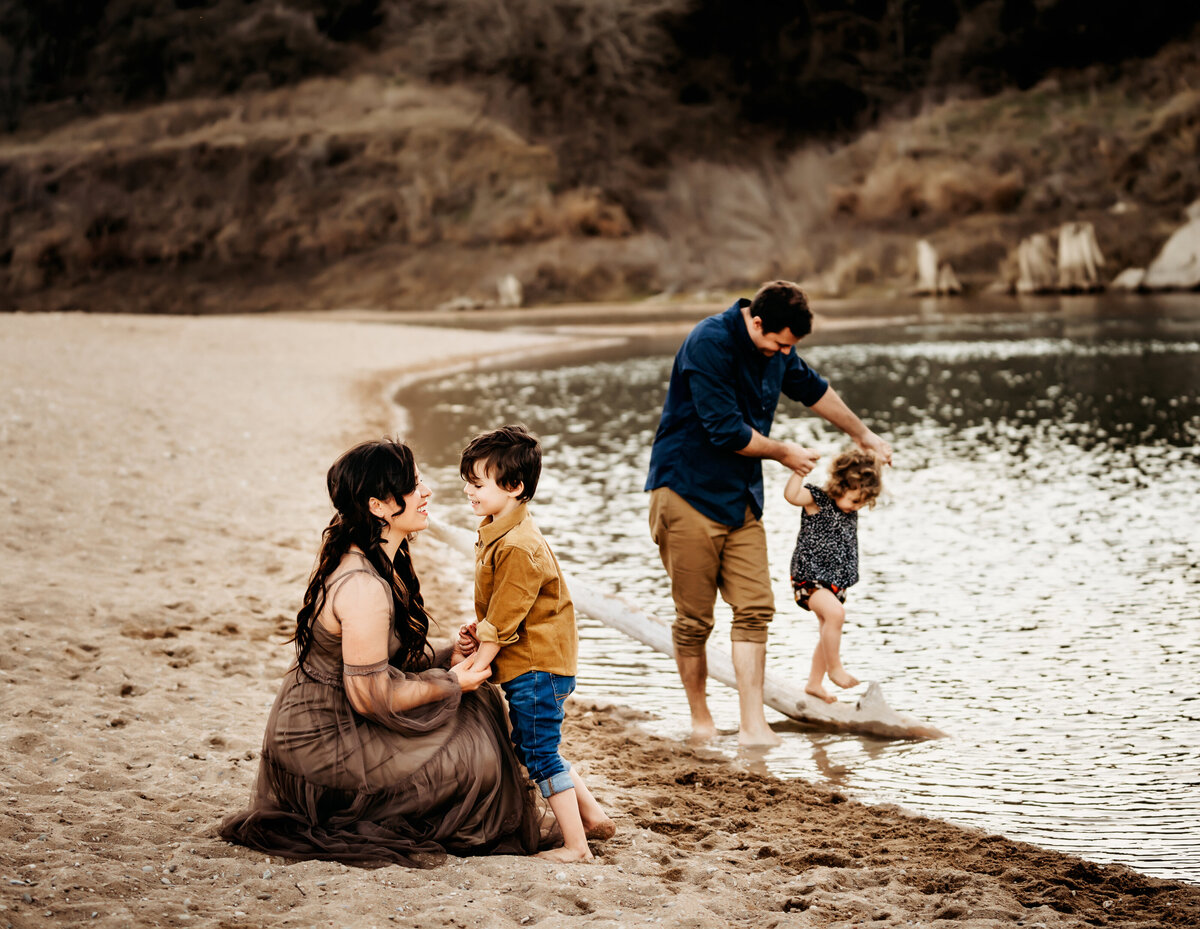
1029	583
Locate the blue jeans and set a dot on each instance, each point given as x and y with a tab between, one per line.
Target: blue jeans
535	709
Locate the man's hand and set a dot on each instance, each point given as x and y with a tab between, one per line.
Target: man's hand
798	458
833	410
792	456
870	442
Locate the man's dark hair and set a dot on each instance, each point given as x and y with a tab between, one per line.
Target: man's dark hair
782	305
510	455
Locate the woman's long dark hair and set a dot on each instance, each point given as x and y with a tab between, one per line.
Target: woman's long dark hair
372	469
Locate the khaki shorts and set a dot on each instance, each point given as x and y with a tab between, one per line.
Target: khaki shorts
702	557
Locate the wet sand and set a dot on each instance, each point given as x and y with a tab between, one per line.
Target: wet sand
162	498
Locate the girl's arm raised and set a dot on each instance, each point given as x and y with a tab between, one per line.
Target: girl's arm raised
796	493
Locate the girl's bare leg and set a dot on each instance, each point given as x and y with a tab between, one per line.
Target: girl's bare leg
832	615
816	676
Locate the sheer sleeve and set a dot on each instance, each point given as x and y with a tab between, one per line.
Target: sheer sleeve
406	701
440	659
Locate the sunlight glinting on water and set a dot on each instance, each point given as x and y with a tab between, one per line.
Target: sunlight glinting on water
1029	583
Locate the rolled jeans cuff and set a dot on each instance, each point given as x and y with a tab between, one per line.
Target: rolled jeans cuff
557	783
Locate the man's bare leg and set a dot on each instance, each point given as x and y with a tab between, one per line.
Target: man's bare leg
832	615
749	666
693	671
816	675
596	824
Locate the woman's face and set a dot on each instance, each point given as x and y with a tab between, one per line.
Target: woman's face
415	515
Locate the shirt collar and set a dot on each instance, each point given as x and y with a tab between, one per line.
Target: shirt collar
737	327
490	528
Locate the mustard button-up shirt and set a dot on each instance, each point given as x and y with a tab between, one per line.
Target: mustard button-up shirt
521	599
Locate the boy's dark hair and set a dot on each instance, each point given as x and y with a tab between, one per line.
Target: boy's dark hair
854	470
511	455
782	305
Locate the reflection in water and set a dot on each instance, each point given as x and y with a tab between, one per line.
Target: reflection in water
1028	584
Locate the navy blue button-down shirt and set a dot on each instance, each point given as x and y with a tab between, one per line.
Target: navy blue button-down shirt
721	388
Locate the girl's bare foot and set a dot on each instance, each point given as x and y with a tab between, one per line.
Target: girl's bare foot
600	830
842	679
820	692
758	738
564	854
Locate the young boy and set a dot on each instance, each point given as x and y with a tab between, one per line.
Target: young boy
825	561
526	626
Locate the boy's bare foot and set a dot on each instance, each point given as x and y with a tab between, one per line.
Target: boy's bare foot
820	693
842	679
703	732
600	830
564	854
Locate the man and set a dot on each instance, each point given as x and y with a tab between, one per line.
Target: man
706	488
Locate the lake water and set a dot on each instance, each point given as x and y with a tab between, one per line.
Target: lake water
1029	583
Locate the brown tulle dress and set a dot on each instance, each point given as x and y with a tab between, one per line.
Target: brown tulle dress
390	786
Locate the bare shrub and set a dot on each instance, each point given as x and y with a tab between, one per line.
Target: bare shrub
589	76
1162	164
583	211
556	282
908	188
310	174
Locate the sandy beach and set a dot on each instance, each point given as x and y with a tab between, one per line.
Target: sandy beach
162	493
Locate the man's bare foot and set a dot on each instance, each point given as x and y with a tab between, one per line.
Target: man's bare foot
600	830
842	679
758	737
564	854
703	732
820	693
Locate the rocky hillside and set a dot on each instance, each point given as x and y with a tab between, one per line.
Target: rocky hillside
592	150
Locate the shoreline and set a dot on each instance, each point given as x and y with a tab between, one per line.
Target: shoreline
163	480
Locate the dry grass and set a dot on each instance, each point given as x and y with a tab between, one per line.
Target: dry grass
309	174
377	192
909	188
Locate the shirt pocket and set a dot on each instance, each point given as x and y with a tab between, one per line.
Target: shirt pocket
485	581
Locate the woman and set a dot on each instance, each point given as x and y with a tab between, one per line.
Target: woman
377	749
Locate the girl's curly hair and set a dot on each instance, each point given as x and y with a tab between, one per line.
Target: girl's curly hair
856	471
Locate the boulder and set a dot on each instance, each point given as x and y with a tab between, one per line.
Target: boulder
509	291
1177	266
927	268
1035	265
947	280
1130	279
933	279
1079	257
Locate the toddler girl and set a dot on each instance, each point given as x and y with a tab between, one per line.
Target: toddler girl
825	562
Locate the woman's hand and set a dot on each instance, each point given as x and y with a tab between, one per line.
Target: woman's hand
470	677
